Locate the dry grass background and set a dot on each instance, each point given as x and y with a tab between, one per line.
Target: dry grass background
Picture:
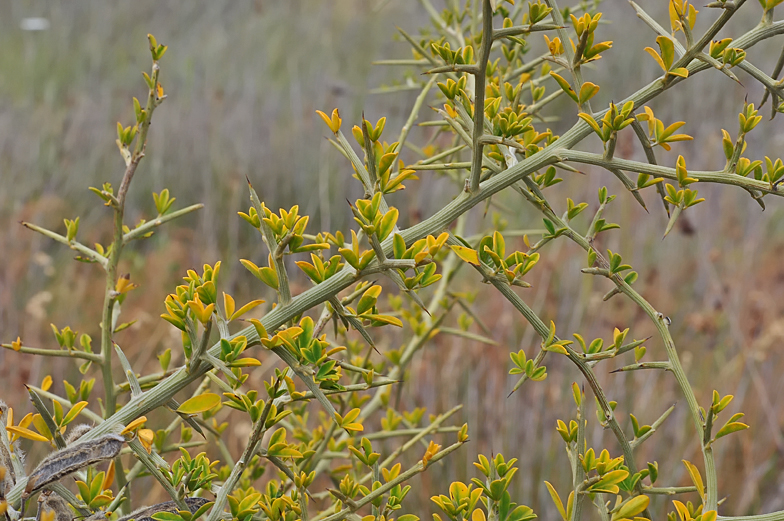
244	80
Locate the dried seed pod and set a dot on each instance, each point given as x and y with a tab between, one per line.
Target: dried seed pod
76	432
48	501
145	513
4	485
7	478
72	458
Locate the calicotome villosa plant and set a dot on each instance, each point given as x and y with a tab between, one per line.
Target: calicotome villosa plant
309	456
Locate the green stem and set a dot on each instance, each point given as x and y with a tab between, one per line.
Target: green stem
153	469
670	491
149	226
706	38
110	296
284	291
718	177
771	85
382	435
578	473
543	331
74	245
402	477
92	357
433	427
655	425
518	30
258	432
659	321
570	55
773	516
480	78
672	355
412	116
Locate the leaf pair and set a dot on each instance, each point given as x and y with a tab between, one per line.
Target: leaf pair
587	91
667	57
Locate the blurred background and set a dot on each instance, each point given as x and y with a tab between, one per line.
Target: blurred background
243	81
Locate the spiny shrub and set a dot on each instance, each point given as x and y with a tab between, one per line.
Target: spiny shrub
309	455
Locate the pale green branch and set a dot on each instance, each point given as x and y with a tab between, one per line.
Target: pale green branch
149	226
74	245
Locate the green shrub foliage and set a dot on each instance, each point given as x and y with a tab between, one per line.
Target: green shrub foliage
309	455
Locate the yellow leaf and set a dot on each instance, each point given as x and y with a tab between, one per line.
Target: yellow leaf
260	329
40	426
135	424
27	420
325	118
228	304
202	312
244	309
681	72
124	284
75	410
201	403
674	21
683	512
632	507
384	319
556	500
16	345
109	477
46	383
557	348
656	57
432	450
146	437
246	362
336	121
695	477
467	254
332	122
26	433
588	91
710	515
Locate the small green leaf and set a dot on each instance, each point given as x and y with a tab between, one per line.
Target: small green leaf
631	508
556	500
731	427
681	72
166	516
368	299
564	85
588	91
200	403
667	50
75	410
